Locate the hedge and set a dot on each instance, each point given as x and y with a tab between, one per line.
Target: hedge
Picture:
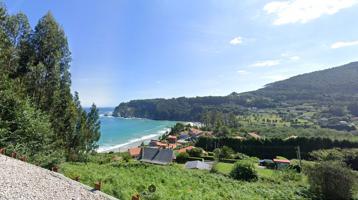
270	148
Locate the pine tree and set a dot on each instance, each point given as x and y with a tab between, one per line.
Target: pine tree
93	124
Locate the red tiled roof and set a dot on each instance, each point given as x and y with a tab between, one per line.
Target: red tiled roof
135	151
194	131
183	150
172	137
161	144
281	161
172	146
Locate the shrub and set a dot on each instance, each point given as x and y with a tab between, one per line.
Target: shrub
195	152
240	156
182	157
349	156
331	180
244	170
287	175
214	168
225	152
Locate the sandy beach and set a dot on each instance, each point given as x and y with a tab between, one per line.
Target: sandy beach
124	147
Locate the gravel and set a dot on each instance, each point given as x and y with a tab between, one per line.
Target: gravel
22	181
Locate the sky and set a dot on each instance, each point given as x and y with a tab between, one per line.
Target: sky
124	49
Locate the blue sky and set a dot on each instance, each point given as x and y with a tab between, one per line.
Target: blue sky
124	49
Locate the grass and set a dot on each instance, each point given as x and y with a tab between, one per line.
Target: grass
173	182
224	168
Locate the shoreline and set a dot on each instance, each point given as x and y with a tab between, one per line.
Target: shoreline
123	147
135	142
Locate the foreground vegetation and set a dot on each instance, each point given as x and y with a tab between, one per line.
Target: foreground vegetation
123	180
39	117
123	177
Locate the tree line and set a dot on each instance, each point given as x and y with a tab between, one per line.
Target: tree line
270	148
39	116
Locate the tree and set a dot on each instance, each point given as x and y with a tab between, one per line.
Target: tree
353	108
35	81
244	170
195	152
331	180
93	124
223	153
178	127
336	110
24	129
182	157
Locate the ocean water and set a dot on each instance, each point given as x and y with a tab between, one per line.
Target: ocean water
117	132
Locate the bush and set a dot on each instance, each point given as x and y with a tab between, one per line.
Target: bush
240	156
244	170
331	180
214	168
195	152
182	157
223	153
349	156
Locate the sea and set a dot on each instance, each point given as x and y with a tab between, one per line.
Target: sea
118	132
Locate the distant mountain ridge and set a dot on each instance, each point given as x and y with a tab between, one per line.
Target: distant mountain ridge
338	84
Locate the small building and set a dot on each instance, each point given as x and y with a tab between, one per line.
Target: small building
197	165
268	163
183	136
195	132
172	139
181	142
157	155
185	149
156	143
134	152
281	163
172	146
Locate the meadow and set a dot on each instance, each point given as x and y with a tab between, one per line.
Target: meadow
124	179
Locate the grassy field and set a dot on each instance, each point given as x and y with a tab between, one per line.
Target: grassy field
173	182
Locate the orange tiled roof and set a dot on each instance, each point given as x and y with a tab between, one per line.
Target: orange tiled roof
194	131
172	137
281	161
135	151
183	150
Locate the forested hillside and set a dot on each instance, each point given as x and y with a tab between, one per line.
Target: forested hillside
339	83
39	117
330	93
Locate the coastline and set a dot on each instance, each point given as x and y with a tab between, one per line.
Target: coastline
132	143
135	142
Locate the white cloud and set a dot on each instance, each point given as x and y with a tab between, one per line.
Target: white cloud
303	11
242	72
337	45
236	41
266	63
294	58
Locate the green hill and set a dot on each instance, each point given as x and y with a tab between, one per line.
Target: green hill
326	88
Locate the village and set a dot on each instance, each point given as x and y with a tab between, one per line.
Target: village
180	147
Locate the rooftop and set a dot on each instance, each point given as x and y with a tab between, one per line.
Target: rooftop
134	152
